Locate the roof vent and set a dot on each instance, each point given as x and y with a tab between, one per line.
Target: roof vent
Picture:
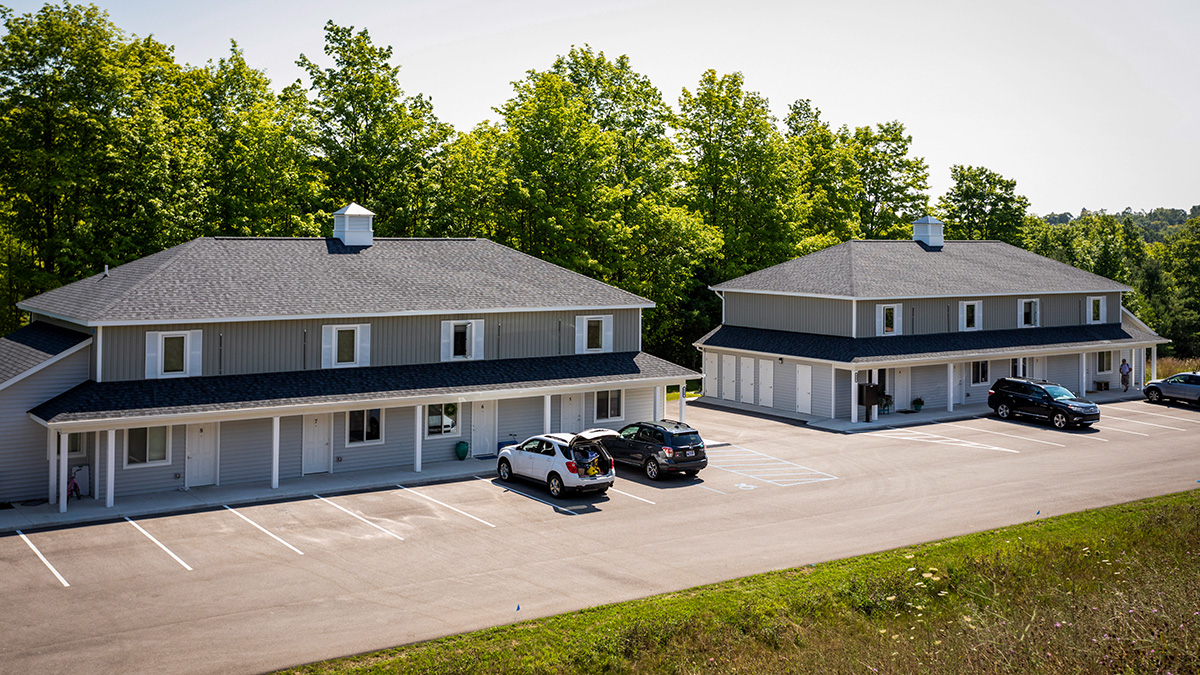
928	232
353	225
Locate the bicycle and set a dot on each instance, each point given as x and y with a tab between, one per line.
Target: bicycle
73	485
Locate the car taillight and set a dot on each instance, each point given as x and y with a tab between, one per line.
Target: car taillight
668	451
572	468
991	392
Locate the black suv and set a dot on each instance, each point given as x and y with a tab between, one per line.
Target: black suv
665	446
1045	400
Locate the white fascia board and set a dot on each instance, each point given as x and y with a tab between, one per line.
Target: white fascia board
47	363
916	297
346	315
343	406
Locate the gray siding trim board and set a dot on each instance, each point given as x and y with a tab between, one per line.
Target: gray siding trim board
796	314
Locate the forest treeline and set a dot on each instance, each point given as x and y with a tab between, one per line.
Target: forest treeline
110	150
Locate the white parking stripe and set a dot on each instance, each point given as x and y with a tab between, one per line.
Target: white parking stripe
381	529
265	531
999	433
1124	431
160	544
508	489
419	494
43	559
924	437
1149	424
1147	412
757	466
629	495
713	489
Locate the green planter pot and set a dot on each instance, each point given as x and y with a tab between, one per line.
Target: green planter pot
461	450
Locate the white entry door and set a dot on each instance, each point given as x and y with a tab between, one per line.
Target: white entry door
572	413
317	452
960	383
901	389
201	454
483	428
1037	367
803	388
728	377
747	383
710	374
766	382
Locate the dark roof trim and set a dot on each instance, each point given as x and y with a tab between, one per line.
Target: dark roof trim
39	345
127	403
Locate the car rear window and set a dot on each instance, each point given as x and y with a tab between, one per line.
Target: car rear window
689	438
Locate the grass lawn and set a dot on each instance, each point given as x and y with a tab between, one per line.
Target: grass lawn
1114	590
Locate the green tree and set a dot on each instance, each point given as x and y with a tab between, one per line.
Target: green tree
1182	323
828	178
891	185
982	204
375	143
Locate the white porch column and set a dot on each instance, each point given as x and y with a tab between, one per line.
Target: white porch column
1139	368
419	421
275	452
110	468
1082	373
1154	362
62	472
832	393
874	416
949	387
854	397
545	415
53	498
659	402
683	401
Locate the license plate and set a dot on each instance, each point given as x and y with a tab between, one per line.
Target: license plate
691	453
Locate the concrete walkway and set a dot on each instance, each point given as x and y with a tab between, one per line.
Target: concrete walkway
87	509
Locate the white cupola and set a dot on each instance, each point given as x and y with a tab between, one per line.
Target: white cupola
929	231
354	225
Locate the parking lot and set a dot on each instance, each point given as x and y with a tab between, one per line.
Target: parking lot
283	583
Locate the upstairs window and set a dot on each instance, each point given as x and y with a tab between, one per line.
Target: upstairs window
346	345
970	315
462	340
889	320
1028	314
1096	309
173	354
593	334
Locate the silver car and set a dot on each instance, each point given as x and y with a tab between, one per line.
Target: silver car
1181	386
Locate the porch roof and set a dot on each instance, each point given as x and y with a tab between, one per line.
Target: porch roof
294	392
935	348
32	346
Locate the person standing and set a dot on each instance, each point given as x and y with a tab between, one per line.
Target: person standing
1126	369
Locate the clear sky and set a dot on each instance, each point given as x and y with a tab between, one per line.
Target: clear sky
1086	103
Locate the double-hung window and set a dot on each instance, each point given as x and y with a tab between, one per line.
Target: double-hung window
441	419
979	372
147	446
364	427
889	320
593	334
346	345
608	405
1103	362
1028	314
1096	309
970	315
173	353
462	340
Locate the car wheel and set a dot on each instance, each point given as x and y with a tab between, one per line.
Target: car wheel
651	468
1059	420
555	485
1004	411
504	470
1153	395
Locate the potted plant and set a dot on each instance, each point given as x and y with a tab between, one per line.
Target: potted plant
917	403
885	403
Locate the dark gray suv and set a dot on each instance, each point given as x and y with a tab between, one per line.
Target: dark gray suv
1010	396
661	447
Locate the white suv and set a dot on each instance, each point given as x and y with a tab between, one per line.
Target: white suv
564	462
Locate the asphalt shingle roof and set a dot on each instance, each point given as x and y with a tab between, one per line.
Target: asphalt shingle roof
248	277
226	393
31	346
907	269
939	346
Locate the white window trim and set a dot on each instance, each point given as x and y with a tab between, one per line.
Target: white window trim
358	444
1110	364
620	417
362	345
986	382
87	445
192	354
1021	312
457	426
475	340
1103	309
141	465
962	315
606	333
898	315
337	338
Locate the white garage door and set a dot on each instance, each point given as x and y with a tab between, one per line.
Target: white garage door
728	377
766	383
747	382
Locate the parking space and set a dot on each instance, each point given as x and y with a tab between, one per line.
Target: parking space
753	467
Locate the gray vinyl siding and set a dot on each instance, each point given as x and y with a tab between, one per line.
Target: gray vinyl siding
842	394
291	446
637	405
821	316
822	389
246	450
923	316
555	414
398	448
441	448
929	383
275	346
1113	378
24	467
519	418
1064	369
138	480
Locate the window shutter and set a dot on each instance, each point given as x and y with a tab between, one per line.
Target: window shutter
195	354
607	342
899	319
364	345
477	334
878	320
581	335
326	346
447	340
152	355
